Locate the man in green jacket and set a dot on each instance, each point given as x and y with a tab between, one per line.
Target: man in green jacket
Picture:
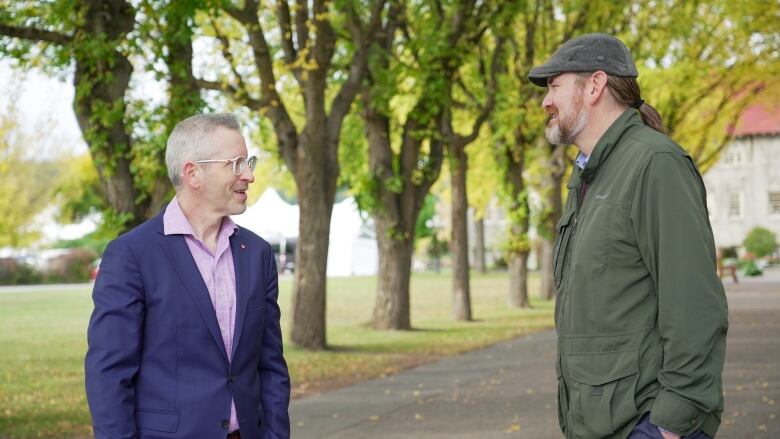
641	314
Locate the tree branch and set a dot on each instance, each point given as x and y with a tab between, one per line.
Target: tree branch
496	67
301	25
579	22
234	93
325	44
33	34
285	26
228	55
466	91
346	95
270	101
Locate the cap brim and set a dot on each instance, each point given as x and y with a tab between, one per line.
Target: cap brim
539	80
539	75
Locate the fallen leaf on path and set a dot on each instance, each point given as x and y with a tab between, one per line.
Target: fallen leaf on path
514	427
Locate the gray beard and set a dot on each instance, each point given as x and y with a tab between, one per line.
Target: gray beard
564	132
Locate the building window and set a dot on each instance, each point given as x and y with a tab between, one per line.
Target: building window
735	205
774	203
734	156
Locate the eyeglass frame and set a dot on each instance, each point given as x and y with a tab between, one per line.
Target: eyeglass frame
248	161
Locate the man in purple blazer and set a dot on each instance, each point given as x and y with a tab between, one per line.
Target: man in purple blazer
184	340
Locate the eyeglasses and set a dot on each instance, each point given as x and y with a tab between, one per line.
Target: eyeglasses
239	163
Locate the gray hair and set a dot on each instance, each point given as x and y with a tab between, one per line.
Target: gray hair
190	141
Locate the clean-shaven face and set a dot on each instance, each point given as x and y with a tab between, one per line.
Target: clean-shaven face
224	192
563	104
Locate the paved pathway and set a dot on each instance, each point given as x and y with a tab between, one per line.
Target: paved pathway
508	390
45	287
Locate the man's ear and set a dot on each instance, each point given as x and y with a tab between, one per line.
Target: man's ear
190	175
595	87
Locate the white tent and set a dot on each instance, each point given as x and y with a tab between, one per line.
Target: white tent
352	251
270	217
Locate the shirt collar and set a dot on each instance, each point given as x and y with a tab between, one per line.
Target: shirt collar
176	223
581	160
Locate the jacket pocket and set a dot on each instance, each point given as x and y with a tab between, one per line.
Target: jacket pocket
561	244
563	403
602	390
157	420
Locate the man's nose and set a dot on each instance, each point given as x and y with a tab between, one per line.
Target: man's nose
248	175
547	101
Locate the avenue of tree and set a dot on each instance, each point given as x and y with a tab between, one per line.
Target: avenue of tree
380	97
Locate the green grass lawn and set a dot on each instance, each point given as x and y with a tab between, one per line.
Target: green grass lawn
42	337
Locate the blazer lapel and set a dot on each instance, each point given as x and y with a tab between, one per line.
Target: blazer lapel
241	264
176	248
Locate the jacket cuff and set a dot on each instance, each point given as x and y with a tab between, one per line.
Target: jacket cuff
675	414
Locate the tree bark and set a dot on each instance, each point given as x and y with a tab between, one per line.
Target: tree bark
557	167
311	263
391	310
396	217
102	78
479	245
101	84
461	294
547	290
311	154
518	281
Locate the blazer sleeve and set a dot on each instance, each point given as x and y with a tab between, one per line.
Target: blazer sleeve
114	337
273	368
674	236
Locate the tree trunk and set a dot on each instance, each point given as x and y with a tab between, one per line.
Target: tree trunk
316	184
479	245
101	84
546	268
391	310
461	295
555	204
518	281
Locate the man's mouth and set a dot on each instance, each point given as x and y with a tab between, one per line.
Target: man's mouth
551	117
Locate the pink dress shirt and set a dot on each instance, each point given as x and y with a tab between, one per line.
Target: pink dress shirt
218	274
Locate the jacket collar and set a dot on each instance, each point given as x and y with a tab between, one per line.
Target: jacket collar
606	144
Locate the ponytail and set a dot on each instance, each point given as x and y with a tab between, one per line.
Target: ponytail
626	91
651	117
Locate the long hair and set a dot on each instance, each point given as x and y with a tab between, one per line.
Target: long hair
626	91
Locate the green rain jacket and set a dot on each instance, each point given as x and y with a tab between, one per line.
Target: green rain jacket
641	314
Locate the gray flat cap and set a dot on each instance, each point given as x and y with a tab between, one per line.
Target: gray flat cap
587	53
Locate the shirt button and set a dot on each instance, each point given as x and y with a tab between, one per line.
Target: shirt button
225	424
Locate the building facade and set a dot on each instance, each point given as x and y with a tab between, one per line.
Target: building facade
743	188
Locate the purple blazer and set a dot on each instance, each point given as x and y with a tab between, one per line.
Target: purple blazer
156	366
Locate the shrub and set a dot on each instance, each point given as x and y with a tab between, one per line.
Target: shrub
729	253
760	242
74	266
16	272
749	268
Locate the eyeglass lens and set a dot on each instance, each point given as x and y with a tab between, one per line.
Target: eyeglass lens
239	165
